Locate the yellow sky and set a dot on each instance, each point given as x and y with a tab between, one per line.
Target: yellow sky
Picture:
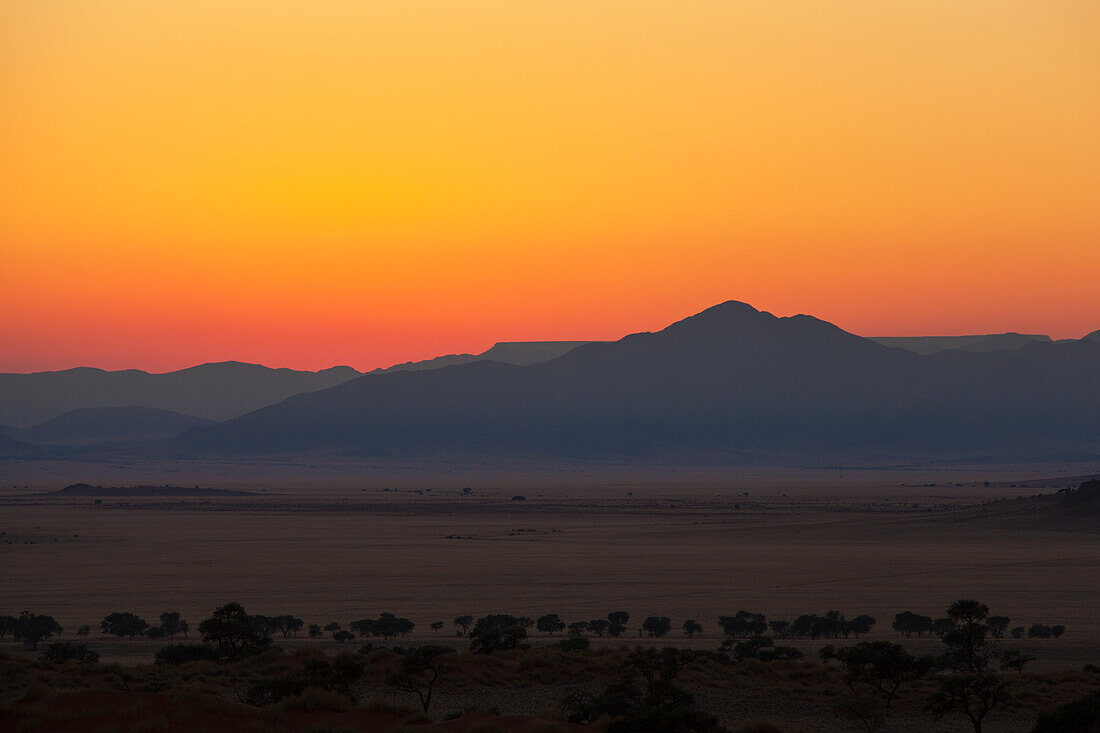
383	181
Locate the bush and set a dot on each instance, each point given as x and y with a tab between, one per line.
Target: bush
1079	716
576	644
62	652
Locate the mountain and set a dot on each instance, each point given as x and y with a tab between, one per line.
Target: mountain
728	384
929	345
96	425
1094	336
12	448
210	391
520	353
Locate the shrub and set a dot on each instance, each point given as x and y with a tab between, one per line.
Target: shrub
62	652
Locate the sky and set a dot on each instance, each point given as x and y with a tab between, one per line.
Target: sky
327	182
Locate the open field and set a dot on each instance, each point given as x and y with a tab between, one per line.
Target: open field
784	546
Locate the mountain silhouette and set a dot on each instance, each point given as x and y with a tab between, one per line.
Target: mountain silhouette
929	345
95	425
731	383
210	391
520	353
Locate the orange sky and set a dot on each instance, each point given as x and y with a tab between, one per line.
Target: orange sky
314	183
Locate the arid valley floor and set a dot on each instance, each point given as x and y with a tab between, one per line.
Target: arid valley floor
784	543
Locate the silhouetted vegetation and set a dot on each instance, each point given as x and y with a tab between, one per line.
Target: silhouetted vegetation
421	669
1079	716
61	652
123	624
657	626
233	632
877	667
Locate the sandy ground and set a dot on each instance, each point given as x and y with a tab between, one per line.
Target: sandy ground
875	543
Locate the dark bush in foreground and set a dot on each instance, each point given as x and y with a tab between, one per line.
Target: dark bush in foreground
183	653
1079	716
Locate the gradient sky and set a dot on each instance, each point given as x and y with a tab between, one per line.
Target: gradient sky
350	182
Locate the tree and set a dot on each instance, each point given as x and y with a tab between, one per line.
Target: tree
421	669
878	667
941	627
657	626
743	623
332	627
362	627
499	622
155	632
314	631
343	636
463	624
489	640
660	705
172	624
997	625
779	628
1015	659
436	626
549	623
966	642
7	625
1017	632
388	626
122	624
83	631
31	628
577	629
617	621
1057	630
692	627
599	626
975	694
861	624
287	625
231	631
909	623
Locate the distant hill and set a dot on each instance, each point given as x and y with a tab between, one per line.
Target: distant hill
210	391
12	448
928	345
729	384
520	353
94	425
1094	336
89	490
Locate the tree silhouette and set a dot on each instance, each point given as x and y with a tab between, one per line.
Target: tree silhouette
31	628
617	621
550	623
972	693
421	669
232	632
692	627
463	624
123	624
657	626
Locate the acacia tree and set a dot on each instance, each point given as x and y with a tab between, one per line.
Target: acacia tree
233	632
877	666
122	624
968	648
617	621
692	627
463	624
83	631
31	628
550	623
436	626
975	694
599	626
421	669
657	626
